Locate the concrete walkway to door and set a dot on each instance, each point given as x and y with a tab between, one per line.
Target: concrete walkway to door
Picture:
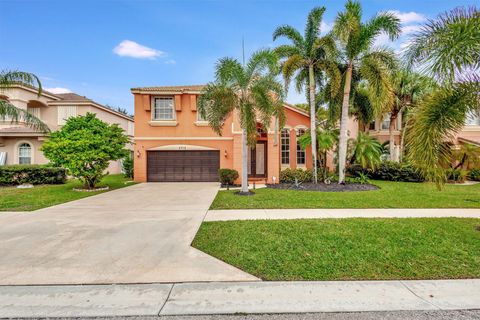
138	234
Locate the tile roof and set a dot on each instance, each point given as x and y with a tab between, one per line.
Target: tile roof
171	88
72	97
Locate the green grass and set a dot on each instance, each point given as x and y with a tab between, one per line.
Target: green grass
390	195
347	249
13	199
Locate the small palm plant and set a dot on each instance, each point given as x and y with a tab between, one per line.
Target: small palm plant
308	58
366	151
252	91
373	65
16	115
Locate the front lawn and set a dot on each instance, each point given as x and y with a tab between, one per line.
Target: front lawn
390	195
13	199
347	249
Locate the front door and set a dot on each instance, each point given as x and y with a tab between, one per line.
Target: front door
257	161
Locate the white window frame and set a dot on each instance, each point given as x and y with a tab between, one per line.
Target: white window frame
19	152
285	141
64	113
300	132
154	104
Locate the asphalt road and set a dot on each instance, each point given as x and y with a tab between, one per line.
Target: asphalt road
397	315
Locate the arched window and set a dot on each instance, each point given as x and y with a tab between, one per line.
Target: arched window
24	154
300	151
285	143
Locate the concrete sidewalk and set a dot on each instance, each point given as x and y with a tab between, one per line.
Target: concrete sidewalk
237	297
265	214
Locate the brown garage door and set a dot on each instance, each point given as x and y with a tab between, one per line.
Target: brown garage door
169	166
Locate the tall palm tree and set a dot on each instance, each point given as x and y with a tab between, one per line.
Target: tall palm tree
408	88
251	91
373	65
447	48
8	111
304	58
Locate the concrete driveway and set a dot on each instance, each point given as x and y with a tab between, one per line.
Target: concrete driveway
138	234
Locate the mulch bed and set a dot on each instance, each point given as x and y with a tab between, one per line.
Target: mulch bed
333	187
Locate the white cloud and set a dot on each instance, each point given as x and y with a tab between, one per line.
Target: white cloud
326	27
128	48
410	29
382	40
58	90
409	17
170	61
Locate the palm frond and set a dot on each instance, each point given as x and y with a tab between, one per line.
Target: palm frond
228	70
448	45
348	22
286	50
439	117
312	28
290	67
9	78
8	112
384	22
262	60
216	103
290	33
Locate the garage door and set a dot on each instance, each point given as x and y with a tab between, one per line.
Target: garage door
194	166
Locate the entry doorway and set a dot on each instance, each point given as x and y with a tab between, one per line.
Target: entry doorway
257	160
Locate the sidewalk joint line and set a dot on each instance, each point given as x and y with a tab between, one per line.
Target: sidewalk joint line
168	297
415	294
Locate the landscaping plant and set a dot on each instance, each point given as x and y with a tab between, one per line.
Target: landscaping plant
447	48
127	166
373	65
307	58
296	175
227	176
32	174
474	175
250	89
84	146
366	151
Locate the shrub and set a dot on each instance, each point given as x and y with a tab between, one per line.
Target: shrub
85	145
33	174
456	175
227	176
474	175
390	171
288	175
127	166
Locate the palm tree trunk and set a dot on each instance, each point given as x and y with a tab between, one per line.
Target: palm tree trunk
391	138
342	141
313	126
244	162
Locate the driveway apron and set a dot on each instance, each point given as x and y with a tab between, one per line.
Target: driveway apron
138	234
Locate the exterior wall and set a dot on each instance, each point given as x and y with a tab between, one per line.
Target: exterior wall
187	131
10	146
22	97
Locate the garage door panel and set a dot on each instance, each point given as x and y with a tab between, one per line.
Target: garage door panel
182	166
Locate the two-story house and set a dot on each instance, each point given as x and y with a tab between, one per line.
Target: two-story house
174	143
20	144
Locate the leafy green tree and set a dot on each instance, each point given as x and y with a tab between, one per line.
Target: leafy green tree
447	48
305	58
84	146
366	151
373	65
16	115
250	90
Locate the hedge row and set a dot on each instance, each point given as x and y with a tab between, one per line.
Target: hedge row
33	174
390	171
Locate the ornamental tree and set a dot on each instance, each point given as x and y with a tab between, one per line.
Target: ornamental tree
84	146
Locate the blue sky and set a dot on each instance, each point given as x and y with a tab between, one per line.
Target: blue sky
101	49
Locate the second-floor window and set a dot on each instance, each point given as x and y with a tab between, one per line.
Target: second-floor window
386	122
473	119
199	117
163	109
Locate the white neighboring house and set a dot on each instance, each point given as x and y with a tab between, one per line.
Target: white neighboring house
20	144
